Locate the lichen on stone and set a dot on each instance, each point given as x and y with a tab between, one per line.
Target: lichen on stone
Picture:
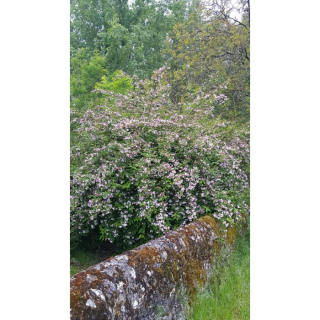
135	284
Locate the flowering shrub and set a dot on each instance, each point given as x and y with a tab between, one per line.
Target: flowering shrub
140	169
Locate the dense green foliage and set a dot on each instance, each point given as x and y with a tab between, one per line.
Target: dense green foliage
151	150
212	48
139	169
130	37
108	36
86	71
202	43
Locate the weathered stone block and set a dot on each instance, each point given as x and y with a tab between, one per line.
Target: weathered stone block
146	282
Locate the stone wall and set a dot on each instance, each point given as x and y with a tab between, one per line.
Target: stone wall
146	283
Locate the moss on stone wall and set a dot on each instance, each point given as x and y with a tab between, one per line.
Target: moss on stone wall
135	284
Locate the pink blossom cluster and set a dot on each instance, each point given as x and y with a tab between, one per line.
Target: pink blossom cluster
141	168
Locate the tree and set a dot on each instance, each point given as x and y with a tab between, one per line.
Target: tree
211	48
85	72
119	82
131	38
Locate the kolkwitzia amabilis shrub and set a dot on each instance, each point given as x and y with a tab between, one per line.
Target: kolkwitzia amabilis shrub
142	170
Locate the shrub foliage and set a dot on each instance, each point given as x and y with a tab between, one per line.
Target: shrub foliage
141	167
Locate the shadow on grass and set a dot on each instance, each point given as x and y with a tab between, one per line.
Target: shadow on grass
83	258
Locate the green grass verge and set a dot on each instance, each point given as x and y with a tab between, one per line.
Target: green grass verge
227	296
81	260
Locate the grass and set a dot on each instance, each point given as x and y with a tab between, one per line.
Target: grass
227	296
81	259
89	254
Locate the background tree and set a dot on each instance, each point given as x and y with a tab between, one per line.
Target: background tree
131	37
210	49
86	71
